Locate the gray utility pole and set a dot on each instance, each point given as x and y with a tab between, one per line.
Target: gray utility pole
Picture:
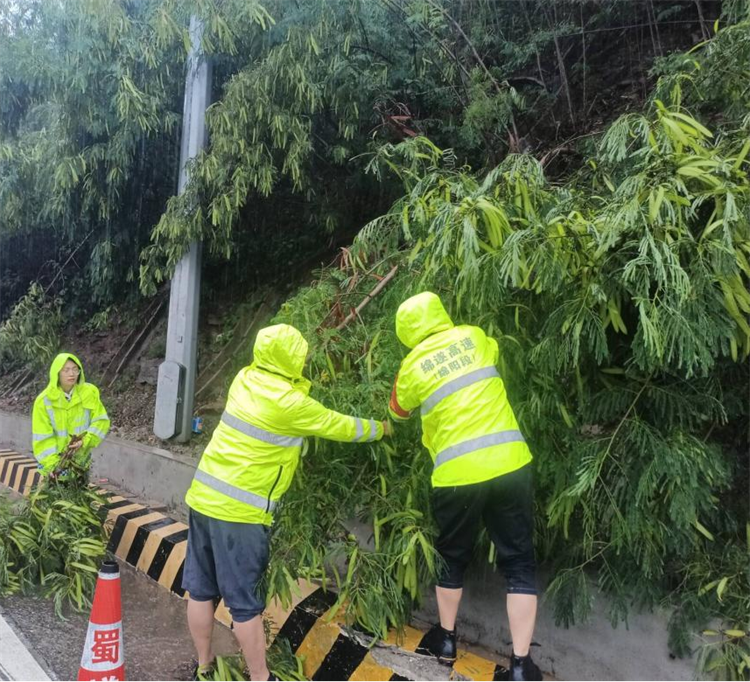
176	388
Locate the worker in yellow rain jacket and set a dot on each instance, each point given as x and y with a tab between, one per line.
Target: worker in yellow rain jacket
243	473
68	420
481	468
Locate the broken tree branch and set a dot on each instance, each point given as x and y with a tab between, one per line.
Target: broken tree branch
65	264
380	286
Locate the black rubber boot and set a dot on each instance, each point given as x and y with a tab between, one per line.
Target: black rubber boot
523	668
439	643
501	674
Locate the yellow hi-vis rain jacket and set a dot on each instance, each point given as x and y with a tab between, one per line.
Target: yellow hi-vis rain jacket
468	425
254	451
54	420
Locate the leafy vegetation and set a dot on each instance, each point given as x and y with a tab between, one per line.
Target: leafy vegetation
620	302
469	138
55	542
30	334
90	103
280	659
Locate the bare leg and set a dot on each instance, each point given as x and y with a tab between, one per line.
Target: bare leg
252	639
448	601
200	616
521	617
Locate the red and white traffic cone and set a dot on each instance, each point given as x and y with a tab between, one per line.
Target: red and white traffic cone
102	653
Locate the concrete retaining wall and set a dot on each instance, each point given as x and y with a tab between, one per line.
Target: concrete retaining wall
594	651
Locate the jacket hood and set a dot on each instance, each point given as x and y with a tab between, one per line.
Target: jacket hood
57	365
419	317
280	349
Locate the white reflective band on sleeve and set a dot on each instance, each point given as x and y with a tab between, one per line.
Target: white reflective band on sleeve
97	432
372	430
360	429
234	492
467	446
260	434
101	418
43	436
46	453
456	385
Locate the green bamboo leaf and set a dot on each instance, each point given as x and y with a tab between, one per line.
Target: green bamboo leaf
691	123
722	586
703	530
84	567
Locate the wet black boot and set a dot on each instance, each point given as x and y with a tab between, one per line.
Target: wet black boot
523	668
439	643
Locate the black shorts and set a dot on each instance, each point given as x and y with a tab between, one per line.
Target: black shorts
228	560
505	504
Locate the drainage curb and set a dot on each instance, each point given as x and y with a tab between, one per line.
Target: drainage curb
155	544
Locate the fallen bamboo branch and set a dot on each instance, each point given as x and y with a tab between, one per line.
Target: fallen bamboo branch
65	264
380	286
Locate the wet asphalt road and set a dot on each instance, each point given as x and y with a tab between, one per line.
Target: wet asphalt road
155	635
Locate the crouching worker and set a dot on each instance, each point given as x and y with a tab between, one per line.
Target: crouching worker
482	470
243	473
68	421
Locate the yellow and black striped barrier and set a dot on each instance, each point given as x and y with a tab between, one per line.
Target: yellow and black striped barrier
18	472
155	544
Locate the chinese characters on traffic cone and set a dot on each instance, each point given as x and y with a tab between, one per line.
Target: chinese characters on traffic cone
102	653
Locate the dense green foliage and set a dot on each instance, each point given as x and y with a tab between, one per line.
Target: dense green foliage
611	265
55	542
30	335
90	103
281	661
620	302
90	95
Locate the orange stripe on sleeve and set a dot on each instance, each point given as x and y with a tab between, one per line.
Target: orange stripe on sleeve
395	408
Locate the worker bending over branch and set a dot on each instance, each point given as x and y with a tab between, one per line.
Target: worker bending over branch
243	473
481	468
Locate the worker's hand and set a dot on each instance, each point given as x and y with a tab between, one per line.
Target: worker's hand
387	429
74	445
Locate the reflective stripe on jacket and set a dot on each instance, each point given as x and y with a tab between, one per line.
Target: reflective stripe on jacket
254	451
55	420
450	375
